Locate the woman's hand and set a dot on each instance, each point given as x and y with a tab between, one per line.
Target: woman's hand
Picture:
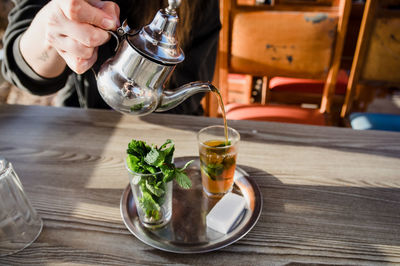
68	32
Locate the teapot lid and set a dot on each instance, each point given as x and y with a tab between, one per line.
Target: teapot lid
157	40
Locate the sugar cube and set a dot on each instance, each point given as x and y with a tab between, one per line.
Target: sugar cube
225	212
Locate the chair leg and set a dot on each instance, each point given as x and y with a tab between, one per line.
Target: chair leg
265	92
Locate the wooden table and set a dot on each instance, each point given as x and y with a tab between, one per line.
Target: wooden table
330	195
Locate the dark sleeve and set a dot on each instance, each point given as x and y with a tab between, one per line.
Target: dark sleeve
14	67
200	56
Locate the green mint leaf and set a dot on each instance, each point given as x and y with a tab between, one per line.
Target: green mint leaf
138	148
151	169
168	141
169	153
223	144
149	205
168	172
213	171
145	159
154	189
228	161
186	165
182	179
136	179
137	107
155	157
156	215
132	162
204	170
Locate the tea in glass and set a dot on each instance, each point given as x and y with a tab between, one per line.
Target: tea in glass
217	159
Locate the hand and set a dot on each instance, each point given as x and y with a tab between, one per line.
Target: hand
75	28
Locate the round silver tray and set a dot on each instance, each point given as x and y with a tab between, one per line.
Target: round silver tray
187	231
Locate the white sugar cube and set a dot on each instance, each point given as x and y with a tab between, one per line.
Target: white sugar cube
225	212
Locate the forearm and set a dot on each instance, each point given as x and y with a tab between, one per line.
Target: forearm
37	52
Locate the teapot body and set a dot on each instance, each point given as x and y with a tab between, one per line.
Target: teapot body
132	83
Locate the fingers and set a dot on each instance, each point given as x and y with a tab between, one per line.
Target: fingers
85	34
101	14
79	65
112	9
68	45
64	32
109	7
78	56
75	28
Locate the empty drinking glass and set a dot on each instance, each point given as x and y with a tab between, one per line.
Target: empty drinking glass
20	225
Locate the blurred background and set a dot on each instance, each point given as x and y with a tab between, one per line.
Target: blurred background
249	89
8	93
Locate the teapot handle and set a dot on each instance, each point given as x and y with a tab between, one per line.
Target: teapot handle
123	30
116	35
119	33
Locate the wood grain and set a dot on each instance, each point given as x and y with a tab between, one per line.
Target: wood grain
330	195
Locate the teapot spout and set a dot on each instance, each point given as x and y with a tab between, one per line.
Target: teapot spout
170	99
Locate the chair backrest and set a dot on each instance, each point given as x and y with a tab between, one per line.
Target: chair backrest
282	43
288	38
377	57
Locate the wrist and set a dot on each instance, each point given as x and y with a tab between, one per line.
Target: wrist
37	51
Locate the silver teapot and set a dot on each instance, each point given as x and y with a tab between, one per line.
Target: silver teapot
132	82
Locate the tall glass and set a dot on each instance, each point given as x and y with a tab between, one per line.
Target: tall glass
20	225
217	159
151	216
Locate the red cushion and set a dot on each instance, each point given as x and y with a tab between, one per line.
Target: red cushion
275	113
308	85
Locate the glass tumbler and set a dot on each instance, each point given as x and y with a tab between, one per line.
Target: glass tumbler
153	203
20	225
217	159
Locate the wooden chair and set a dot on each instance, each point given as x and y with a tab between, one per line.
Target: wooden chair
289	38
376	63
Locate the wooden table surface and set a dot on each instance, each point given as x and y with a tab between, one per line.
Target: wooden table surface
330	195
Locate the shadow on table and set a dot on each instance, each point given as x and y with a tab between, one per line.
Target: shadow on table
342	139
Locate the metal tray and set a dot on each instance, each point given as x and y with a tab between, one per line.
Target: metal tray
187	231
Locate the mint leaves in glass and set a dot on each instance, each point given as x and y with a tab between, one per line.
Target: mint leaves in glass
151	171
217	159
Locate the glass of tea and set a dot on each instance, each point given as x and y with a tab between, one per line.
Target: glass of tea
218	147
